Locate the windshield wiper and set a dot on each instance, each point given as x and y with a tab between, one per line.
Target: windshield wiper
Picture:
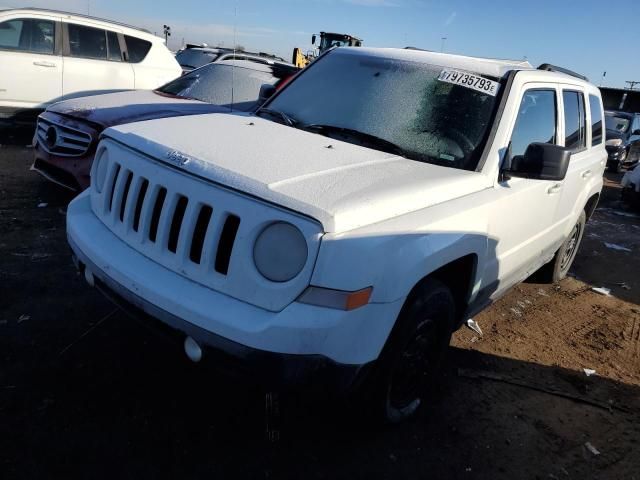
365	138
290	121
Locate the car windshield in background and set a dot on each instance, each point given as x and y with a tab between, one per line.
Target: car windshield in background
618	124
195	58
221	84
398	106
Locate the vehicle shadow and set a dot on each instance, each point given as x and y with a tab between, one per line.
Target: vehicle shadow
127	409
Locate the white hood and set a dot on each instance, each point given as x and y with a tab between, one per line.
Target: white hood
344	186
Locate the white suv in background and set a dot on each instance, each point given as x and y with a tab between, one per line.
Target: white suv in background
46	56
352	223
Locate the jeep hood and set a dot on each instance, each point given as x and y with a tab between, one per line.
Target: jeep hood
131	106
344	186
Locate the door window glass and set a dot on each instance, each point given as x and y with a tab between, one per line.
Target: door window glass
536	121
114	47
87	42
28	35
137	48
574	120
596	120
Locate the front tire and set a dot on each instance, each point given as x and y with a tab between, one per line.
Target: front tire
559	266
408	368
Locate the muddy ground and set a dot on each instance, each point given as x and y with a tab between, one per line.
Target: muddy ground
85	392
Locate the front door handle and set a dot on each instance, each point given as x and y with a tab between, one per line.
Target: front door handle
45	64
555	188
586	174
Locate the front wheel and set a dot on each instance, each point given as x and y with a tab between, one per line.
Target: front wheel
558	267
409	366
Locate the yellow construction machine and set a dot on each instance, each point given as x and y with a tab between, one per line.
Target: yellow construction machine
327	40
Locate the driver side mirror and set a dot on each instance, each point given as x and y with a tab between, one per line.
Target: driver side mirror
266	91
313	39
541	161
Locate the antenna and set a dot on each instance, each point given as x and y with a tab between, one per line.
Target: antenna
233	65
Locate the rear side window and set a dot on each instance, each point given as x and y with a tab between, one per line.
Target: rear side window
137	48
114	47
28	35
575	132
536	121
596	120
87	42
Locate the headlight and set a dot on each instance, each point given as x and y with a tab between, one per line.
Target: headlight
280	252
614	142
100	169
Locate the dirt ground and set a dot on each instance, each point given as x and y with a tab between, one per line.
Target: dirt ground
85	392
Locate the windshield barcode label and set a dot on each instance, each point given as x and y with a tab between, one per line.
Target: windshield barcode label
469	80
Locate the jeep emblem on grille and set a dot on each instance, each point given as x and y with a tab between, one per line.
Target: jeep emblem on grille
177	158
51	136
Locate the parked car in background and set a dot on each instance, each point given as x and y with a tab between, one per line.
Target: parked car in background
623	139
46	56
344	231
631	187
67	132
194	56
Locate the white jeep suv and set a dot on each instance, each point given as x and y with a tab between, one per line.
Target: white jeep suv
350	225
46	56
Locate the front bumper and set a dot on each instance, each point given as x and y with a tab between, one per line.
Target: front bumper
68	172
299	339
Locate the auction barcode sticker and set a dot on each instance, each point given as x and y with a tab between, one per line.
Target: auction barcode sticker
469	80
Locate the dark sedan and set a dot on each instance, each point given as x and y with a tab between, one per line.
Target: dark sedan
623	139
67	133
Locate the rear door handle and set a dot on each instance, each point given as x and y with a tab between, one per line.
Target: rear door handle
553	189
45	64
586	174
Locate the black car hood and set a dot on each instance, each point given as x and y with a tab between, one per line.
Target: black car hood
131	106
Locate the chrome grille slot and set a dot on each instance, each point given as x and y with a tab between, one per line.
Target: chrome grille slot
62	140
199	233
139	202
155	214
125	195
225	245
176	223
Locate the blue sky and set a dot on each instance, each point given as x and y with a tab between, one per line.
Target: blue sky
571	33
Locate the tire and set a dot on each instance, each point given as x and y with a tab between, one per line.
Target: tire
408	368
559	266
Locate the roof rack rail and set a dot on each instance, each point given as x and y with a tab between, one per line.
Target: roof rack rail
553	68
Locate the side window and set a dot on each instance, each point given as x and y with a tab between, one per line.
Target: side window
536	121
137	48
28	35
575	134
87	42
114	47
596	120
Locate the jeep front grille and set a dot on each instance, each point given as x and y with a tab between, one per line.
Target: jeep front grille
173	222
61	139
196	228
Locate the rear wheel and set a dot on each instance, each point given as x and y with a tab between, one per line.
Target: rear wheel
559	266
408	368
